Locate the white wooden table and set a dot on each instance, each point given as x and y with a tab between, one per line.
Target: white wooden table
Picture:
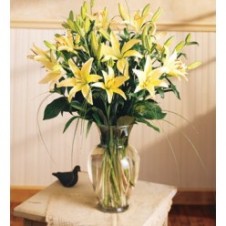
76	206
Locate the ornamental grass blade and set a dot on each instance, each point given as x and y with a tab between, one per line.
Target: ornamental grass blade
192	145
39	129
148	124
185	119
69	122
88	127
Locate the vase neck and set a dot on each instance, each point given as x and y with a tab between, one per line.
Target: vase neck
114	135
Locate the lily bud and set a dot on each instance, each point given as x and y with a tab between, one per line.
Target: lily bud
84	10
94	42
156	15
194	65
99	52
146	10
144	34
122	12
87	25
180	46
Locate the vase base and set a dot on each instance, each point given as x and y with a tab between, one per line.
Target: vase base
112	209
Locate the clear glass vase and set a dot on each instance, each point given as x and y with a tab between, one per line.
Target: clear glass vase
113	168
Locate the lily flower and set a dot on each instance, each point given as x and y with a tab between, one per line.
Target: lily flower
173	66
81	80
111	84
68	43
149	78
101	19
65	42
114	52
41	56
49	61
138	20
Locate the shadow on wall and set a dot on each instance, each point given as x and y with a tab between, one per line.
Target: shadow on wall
159	165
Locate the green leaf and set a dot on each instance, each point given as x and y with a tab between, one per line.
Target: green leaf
148	110
174	89
99	116
160	91
55	107
96	118
192	43
77	106
69	122
148	124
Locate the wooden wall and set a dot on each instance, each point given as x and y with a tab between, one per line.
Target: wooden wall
32	162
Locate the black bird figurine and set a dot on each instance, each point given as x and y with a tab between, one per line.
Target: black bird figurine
68	179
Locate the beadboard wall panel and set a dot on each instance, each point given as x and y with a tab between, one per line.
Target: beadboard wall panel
183	154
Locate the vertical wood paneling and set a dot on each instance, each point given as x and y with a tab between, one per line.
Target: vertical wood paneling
32	165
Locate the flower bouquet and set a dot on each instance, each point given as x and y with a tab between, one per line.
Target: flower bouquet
108	71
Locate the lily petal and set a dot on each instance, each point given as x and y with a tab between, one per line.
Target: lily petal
51	76
128	45
121	64
73	92
120	92
133	53
86	92
73	67
115	44
86	68
67	82
109	95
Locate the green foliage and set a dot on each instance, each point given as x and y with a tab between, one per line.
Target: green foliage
148	110
55	107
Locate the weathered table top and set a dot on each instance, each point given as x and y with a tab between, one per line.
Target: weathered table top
76	206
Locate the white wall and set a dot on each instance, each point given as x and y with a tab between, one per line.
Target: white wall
32	163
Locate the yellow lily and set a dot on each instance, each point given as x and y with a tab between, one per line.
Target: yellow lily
149	79
68	43
53	75
125	71
114	52
40	56
101	19
173	66
49	61
111	84
80	81
65	42
138	20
